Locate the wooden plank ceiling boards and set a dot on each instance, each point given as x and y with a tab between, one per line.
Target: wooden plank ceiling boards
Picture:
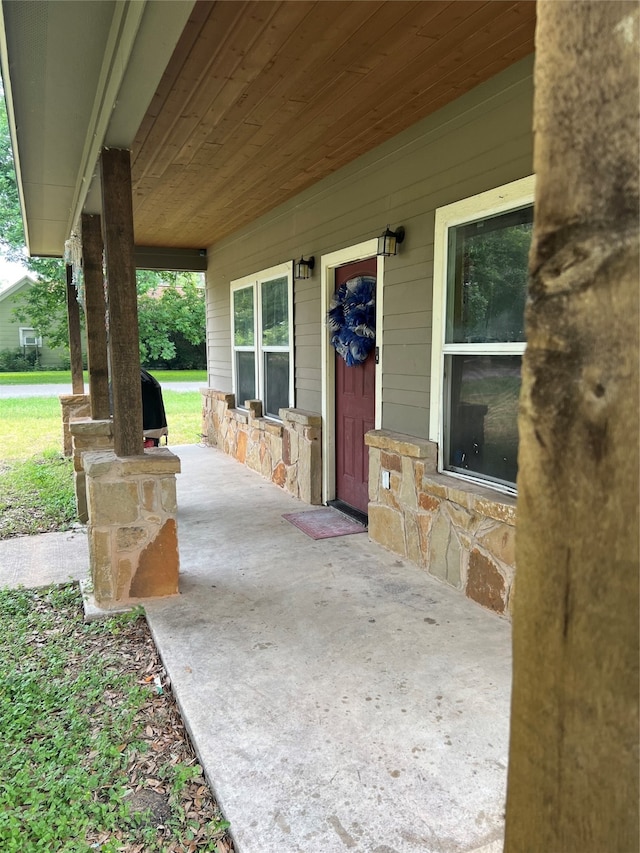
262	99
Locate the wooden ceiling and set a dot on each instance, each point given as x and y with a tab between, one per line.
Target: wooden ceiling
262	99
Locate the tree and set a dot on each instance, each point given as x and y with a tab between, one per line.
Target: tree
171	313
44	307
171	310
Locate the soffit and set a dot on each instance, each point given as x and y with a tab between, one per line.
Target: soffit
77	75
230	108
262	99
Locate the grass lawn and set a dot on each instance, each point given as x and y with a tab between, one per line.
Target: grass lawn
36	495
36	482
94	753
63	377
33	425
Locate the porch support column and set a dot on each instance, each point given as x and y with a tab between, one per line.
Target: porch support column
123	308
131	494
75	337
96	432
573	767
95	311
76	404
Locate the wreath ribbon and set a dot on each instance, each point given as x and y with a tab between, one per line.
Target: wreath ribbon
352	319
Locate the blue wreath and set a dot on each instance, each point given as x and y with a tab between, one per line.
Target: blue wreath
352	319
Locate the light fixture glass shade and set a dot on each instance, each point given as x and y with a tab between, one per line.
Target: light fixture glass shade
303	269
389	241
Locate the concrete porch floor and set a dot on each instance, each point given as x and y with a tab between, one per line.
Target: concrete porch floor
339	698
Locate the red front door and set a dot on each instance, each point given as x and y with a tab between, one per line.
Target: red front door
355	410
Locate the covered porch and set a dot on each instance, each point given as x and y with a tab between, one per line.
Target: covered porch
339	698
185	124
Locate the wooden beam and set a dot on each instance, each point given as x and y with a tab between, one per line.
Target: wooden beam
75	337
573	759
95	313
122	298
176	260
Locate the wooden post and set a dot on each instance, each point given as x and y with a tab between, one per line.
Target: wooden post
117	208
573	764
75	345
95	314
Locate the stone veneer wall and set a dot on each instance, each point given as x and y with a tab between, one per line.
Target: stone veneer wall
133	539
287	453
73	406
87	435
460	532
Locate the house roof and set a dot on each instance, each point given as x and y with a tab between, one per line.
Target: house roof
229	108
12	289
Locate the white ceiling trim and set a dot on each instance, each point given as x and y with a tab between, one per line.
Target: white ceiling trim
124	28
8	96
160	25
102	62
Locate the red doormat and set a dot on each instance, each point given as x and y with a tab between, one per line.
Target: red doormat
324	523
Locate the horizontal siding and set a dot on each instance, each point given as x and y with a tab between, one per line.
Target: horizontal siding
308	357
406	320
405	418
9	333
10	330
406	337
480	141
419	399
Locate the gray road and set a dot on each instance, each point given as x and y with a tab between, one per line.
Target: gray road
7	391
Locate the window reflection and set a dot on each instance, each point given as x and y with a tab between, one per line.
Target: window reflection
483	415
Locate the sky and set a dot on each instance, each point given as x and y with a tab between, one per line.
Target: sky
10	272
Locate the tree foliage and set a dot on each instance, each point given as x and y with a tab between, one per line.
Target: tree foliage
171	310
492	281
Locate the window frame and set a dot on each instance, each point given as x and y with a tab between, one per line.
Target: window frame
511	196
255	282
28	331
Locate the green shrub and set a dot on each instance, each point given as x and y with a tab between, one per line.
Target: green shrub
187	356
16	360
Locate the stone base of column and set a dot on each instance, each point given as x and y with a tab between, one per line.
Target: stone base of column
87	435
73	406
133	538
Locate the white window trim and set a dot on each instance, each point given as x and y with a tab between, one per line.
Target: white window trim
27	331
255	281
499	200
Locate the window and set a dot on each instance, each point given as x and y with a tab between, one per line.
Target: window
261	332
29	338
480	284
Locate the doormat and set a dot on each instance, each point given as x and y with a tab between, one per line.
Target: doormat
324	523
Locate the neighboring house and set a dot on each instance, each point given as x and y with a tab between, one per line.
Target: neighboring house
15	334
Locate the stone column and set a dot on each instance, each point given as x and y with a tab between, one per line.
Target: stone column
88	435
133	539
302	453
573	768
73	406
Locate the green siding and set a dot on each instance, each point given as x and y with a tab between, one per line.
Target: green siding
10	328
482	140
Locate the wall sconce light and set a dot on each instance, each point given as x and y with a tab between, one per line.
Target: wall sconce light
389	241
303	269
